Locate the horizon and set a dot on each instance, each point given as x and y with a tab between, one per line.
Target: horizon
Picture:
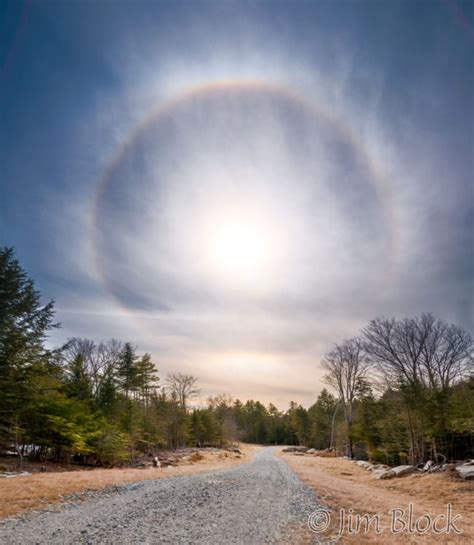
235	187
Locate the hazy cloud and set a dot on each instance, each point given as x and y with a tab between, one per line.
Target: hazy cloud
359	205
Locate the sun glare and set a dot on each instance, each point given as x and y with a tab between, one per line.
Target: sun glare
239	247
239	251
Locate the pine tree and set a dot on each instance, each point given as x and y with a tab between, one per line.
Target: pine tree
127	371
24	323
198	428
107	395
78	384
145	378
322	417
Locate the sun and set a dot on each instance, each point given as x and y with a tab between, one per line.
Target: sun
239	247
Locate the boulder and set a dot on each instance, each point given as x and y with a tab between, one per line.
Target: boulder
377	473
403	470
466	471
380	466
384	474
295	449
311	451
364	464
428	465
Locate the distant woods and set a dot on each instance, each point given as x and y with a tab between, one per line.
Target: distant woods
403	392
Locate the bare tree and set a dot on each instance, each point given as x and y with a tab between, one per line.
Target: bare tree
346	371
101	359
422	357
447	353
183	387
424	351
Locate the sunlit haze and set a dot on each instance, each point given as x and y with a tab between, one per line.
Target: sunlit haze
236	186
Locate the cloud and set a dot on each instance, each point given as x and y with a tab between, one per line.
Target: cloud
365	209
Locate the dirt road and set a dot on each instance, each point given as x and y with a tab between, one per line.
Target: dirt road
258	503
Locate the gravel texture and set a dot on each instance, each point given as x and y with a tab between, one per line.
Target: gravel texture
258	503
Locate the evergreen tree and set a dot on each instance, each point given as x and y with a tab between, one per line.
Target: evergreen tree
77	382
127	371
107	395
321	417
146	378
24	323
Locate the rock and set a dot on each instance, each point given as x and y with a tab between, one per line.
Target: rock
431	467
377	473
311	451
402	470
298	453
363	464
466	471
295	449
384	474
428	465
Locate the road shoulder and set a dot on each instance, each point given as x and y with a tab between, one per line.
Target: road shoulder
39	490
343	485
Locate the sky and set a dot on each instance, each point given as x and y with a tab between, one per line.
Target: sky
235	186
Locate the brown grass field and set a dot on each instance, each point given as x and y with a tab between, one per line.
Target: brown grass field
38	490
343	485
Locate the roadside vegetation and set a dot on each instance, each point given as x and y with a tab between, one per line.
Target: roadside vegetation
404	392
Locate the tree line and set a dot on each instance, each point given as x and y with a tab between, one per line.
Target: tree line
404	391
423	369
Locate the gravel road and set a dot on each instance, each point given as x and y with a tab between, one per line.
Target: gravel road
258	503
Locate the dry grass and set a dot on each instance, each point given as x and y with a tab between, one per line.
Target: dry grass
41	489
341	484
196	457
